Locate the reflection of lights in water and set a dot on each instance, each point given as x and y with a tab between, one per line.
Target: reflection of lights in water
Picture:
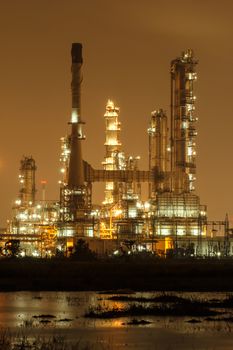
119	305
17	310
116	323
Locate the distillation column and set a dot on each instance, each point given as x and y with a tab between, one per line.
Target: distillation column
114	158
183	129
158	151
73	192
27	181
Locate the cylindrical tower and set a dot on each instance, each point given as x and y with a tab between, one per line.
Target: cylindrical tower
73	189
183	130
114	158
76	173
158	150
27	181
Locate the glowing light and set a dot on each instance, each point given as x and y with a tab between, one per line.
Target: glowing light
35	253
190	151
139	205
74	116
117	212
110	104
195	231
109	186
112	142
164	231
113	127
23	216
180	232
147	205
132	213
141	247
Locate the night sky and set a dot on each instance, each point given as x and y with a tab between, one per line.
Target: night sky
127	49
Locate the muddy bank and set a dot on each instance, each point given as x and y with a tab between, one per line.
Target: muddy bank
160	275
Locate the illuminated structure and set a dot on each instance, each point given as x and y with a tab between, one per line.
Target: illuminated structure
34	221
183	130
171	219
121	195
158	152
73	192
64	160
114	158
27	181
177	211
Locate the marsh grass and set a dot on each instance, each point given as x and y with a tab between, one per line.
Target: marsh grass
135	322
11	341
163	298
165	304
189	309
169	298
44	316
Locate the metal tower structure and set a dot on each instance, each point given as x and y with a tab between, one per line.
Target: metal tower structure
64	160
158	151
183	129
178	210
27	181
114	158
73	189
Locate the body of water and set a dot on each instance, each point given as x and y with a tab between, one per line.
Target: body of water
61	315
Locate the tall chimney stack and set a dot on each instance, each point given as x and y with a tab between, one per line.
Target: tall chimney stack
75	172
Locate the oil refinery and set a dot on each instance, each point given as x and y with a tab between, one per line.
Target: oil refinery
171	222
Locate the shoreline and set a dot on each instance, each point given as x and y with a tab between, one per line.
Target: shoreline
159	275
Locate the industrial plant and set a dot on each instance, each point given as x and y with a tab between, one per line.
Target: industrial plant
170	222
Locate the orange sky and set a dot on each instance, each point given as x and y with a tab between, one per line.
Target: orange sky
127	49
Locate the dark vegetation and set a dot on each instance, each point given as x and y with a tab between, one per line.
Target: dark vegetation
165	305
136	322
163	298
193	320
44	316
189	309
112	275
12	248
170	298
82	252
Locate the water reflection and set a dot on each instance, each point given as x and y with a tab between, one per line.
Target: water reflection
46	312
